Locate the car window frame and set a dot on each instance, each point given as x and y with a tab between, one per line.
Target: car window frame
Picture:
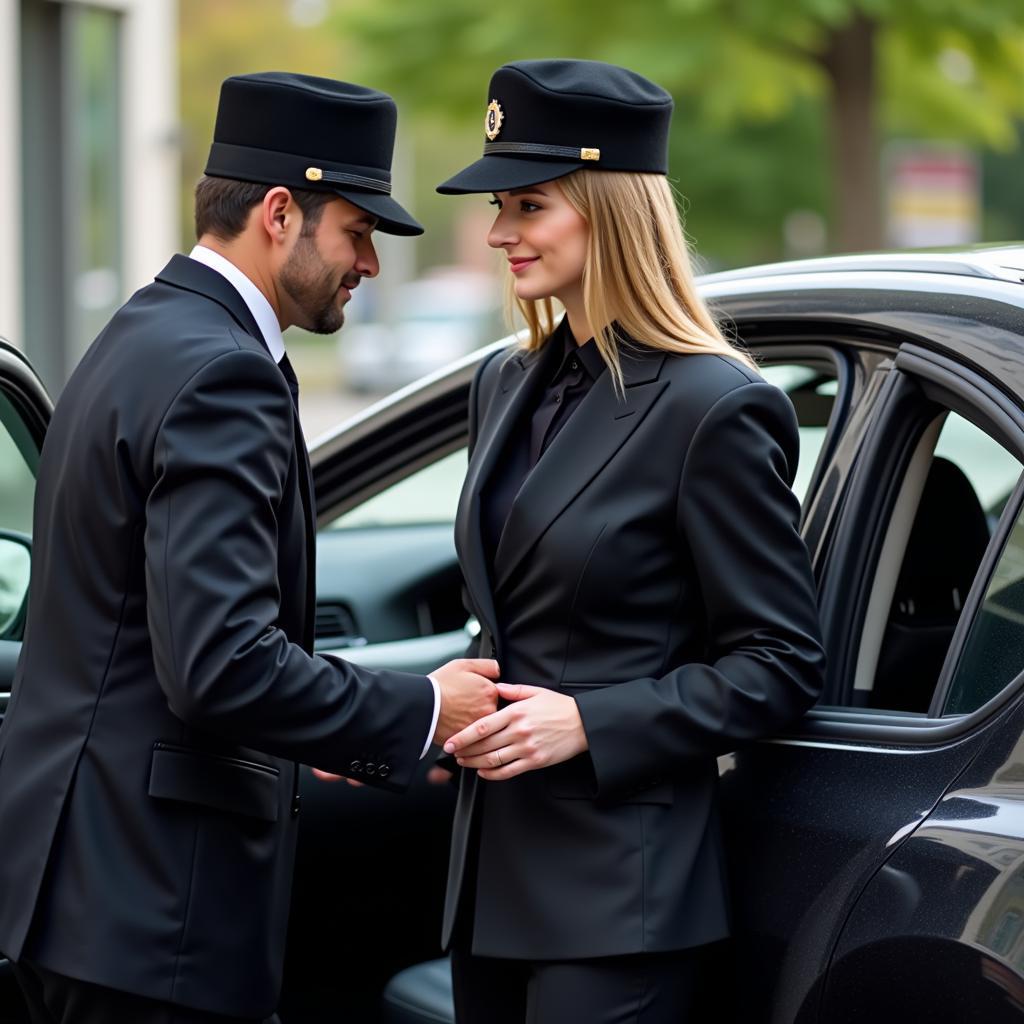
919	377
29	398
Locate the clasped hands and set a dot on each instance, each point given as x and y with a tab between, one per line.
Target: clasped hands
537	728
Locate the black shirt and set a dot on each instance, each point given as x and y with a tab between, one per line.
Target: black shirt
578	369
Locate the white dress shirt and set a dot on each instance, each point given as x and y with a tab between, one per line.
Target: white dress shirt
266	319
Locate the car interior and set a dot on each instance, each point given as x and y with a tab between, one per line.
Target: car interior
953	490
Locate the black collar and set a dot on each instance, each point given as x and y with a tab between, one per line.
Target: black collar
193	276
588	355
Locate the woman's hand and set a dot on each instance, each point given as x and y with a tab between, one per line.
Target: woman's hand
540	728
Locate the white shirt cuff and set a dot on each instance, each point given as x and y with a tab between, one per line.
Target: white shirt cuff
433	720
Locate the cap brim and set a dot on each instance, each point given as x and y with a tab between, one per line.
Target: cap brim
392	219
500	173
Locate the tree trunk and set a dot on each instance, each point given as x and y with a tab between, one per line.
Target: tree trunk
849	61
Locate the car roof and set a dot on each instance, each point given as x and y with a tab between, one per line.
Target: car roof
1004	262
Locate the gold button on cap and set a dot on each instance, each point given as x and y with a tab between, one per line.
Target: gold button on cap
314	174
590	154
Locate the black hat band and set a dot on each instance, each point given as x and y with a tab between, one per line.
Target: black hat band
541	149
249	163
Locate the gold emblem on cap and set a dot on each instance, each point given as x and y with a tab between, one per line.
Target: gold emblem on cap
493	120
314	174
590	154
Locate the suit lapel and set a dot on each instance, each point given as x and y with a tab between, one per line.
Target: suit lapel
520	379
594	433
193	276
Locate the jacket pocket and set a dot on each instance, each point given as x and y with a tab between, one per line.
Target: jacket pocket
575	779
214	780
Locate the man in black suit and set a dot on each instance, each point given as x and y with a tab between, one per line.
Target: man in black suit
167	686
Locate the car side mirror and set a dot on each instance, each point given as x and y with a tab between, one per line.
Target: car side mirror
15	568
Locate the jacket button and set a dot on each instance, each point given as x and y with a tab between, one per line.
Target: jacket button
371	768
356	766
296	806
383	771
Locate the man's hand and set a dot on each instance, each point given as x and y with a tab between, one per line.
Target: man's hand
331	777
540	728
467	693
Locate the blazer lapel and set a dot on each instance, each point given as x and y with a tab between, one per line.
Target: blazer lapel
595	432
519	380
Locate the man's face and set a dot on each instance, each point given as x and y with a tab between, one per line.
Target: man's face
327	263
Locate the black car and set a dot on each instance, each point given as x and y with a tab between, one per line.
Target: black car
876	850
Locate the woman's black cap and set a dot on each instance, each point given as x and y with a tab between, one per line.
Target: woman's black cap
278	128
547	118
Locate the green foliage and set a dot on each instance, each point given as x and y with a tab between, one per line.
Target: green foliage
219	38
750	80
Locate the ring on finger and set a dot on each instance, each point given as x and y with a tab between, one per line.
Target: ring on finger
497	754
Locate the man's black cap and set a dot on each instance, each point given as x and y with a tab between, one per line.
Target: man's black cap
278	128
547	118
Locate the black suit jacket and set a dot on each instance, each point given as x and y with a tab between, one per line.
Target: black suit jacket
166	687
651	567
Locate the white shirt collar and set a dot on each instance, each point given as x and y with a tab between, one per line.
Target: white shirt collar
263	313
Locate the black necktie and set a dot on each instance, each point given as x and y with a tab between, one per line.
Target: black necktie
293	381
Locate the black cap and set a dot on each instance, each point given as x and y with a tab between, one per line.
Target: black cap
547	118
278	128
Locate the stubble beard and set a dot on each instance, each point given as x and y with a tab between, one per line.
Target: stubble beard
310	284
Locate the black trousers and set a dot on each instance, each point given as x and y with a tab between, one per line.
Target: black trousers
55	999
649	988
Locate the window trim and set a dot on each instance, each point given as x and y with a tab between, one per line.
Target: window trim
896	536
807	353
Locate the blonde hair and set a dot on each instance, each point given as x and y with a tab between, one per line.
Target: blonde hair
637	279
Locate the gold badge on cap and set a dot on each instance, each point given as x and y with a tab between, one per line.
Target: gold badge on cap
493	120
314	174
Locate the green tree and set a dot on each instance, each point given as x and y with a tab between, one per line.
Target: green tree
219	38
740	70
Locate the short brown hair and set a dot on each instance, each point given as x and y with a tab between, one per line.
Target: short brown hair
223	205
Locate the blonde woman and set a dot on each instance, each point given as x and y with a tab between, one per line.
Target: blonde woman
629	542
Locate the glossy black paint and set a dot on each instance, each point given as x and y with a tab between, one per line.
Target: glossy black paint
953	892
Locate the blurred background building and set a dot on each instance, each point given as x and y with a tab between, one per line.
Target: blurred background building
89	163
801	128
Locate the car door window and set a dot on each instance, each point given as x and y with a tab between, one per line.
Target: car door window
953	491
430	495
388	574
812	390
993	654
18	460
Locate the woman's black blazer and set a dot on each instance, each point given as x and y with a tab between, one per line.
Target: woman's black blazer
650	567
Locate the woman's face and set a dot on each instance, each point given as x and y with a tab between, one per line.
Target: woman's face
545	240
